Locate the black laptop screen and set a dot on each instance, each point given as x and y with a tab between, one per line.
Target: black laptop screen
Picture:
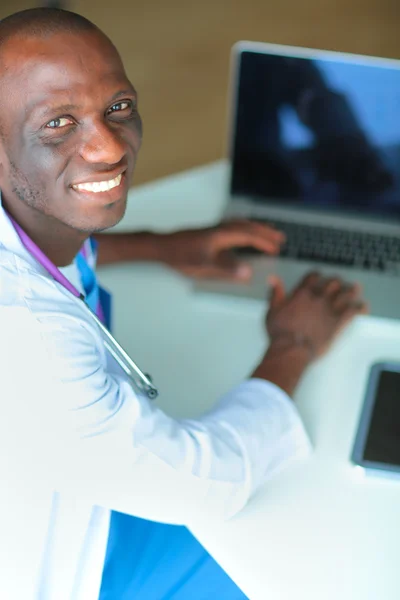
318	133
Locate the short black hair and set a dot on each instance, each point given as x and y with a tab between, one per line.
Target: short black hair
43	22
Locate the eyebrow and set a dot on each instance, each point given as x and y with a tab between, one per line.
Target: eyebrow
59	108
69	107
127	92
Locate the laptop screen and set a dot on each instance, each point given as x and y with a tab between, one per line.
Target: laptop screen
321	132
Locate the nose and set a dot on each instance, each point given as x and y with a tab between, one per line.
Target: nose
102	144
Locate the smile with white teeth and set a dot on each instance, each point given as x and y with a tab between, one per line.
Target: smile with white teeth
99	186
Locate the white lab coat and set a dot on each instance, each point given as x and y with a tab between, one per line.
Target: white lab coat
75	437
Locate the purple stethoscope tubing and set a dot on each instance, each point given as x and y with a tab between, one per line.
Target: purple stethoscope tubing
140	380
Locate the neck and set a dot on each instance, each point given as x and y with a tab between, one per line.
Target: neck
59	242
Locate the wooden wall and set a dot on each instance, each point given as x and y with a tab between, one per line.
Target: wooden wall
176	53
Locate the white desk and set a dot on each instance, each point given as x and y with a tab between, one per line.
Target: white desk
321	530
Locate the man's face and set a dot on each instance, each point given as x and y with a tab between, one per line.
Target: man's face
70	129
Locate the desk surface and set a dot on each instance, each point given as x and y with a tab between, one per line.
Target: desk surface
321	530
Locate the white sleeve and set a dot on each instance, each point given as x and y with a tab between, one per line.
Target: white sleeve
120	451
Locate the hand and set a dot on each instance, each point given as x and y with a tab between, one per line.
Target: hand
314	314
303	325
207	253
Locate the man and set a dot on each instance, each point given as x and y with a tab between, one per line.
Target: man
75	435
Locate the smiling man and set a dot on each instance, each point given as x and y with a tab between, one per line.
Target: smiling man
75	434
80	132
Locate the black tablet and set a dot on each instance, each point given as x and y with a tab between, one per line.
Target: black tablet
377	443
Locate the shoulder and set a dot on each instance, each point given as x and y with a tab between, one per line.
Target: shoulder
31	301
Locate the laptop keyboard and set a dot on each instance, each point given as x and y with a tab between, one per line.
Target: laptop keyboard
339	247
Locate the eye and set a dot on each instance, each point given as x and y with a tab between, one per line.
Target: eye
123	106
59	123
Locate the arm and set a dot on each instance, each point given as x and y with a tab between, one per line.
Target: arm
76	425
274	366
91	435
126	247
197	252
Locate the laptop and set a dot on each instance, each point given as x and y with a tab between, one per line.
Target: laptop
314	149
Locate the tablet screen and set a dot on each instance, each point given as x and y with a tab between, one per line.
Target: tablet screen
382	444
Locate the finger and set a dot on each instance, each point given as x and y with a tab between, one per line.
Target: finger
346	296
277	292
266	229
256	228
240	237
352	311
331	286
311	281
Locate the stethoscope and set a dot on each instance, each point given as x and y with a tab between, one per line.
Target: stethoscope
140	380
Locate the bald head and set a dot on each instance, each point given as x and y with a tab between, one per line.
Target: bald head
37	25
42	23
69	117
